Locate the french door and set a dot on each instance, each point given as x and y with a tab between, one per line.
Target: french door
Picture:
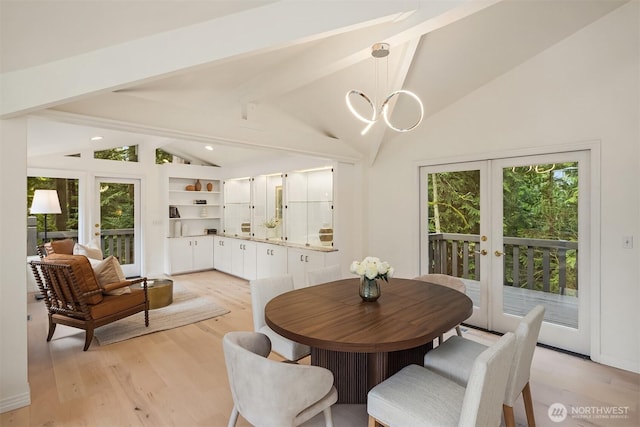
116	221
516	231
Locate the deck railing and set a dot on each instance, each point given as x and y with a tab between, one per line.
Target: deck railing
538	264
119	243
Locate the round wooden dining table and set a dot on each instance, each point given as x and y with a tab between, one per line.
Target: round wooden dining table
363	343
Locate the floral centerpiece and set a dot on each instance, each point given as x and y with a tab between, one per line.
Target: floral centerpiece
370	269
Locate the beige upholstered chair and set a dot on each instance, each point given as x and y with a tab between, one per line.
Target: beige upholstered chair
263	291
270	393
453	360
323	275
417	396
448	281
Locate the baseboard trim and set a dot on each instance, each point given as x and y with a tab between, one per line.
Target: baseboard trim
550	347
15	402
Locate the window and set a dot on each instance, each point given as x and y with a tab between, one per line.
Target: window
59	226
127	153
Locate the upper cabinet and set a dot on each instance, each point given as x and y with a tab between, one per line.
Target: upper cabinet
309	207
294	208
237	207
268	207
195	206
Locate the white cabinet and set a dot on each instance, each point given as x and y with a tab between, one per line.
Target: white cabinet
309	207
267	206
299	261
271	260
190	254
243	258
222	253
237	207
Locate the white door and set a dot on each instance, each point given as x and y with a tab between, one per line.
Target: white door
516	231
454	216
540	245
116	221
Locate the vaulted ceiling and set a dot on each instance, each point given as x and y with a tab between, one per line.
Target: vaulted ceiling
256	78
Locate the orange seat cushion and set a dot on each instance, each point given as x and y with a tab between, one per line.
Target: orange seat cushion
115	303
83	272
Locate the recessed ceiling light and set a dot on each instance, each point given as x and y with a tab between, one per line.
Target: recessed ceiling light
96	138
208	147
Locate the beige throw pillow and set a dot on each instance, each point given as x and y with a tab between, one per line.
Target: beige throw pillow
91	252
109	271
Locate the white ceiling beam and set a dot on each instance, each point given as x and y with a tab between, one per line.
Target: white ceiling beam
148	58
151	118
334	55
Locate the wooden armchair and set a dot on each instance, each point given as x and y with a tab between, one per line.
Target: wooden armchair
74	298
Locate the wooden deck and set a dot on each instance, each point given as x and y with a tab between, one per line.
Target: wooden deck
560	309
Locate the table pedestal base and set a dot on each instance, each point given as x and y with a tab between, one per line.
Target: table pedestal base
356	373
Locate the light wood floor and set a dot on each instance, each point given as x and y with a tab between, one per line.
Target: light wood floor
178	377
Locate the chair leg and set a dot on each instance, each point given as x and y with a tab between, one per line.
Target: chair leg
374	423
88	337
459	331
328	420
528	405
146	316
52	328
233	417
509	418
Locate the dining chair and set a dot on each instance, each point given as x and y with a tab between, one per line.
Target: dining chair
418	396
450	282
270	393
454	358
323	275
263	291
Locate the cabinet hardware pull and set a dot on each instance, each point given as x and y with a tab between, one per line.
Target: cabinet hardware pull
306	259
301	258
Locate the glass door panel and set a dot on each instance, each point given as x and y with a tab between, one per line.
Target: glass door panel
452	205
540	204
117	226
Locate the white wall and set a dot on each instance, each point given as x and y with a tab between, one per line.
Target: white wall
584	88
14	386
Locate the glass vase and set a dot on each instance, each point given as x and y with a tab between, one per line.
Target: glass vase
369	289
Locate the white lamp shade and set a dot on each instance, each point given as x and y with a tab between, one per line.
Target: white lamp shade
45	202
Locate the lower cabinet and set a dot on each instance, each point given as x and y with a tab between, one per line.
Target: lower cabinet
299	261
190	254
271	260
257	260
222	253
243	259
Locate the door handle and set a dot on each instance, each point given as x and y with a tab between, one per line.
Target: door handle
482	252
498	253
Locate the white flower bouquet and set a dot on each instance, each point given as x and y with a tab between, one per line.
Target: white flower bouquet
372	268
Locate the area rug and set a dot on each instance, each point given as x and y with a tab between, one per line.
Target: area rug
187	307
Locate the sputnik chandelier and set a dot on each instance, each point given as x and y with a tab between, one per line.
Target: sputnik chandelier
381	50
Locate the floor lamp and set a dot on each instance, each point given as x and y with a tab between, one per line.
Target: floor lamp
45	202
